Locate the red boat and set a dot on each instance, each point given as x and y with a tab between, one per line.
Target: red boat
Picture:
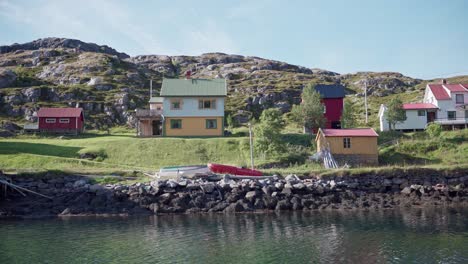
226	169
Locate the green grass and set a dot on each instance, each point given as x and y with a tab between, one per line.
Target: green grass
121	153
451	148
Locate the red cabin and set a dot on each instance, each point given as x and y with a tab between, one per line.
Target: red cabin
61	120
332	98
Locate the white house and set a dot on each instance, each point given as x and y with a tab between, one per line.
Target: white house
445	104
417	117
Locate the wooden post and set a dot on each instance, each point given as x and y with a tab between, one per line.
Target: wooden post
251	146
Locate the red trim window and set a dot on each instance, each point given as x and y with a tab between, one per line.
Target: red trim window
64	120
50	120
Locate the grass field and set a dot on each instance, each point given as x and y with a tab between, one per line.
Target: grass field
122	152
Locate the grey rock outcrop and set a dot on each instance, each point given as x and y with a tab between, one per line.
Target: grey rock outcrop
7	78
62	43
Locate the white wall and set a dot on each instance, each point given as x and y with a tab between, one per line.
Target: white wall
445	105
413	121
460	112
383	122
190	107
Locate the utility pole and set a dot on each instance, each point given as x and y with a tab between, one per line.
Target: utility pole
251	146
365	98
151	88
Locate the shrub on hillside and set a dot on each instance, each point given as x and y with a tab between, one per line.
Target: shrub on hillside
92	153
434	130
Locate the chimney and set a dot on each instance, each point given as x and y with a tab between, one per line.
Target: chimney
443	81
188	74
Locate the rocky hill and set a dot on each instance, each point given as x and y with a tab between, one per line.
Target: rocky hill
109	84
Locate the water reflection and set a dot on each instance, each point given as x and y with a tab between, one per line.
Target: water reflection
422	236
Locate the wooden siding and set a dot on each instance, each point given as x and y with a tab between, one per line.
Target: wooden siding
74	124
359	145
146	129
193	126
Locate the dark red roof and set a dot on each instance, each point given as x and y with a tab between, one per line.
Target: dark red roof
439	92
417	106
455	88
59	112
350	132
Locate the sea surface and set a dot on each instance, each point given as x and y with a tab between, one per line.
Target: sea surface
413	236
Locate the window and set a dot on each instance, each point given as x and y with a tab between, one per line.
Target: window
347	142
451	115
176	104
176	124
50	120
421	112
211	123
459	99
324	109
64	120
207	104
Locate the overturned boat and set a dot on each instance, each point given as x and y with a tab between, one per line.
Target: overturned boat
184	171
227	169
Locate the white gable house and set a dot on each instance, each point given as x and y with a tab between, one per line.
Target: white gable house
445	104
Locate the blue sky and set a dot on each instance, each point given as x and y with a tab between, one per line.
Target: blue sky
424	39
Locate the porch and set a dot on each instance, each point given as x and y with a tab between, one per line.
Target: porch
149	122
452	123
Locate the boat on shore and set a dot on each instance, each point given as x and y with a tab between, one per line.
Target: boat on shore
227	169
183	171
205	170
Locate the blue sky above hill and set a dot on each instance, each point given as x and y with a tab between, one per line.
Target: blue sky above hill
424	39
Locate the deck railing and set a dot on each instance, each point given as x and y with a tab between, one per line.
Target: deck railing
148	113
451	121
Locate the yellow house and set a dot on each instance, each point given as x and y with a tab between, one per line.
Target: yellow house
357	146
186	107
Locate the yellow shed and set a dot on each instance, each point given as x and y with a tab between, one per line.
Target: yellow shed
357	146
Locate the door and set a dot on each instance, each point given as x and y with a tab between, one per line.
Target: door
156	124
336	124
430	117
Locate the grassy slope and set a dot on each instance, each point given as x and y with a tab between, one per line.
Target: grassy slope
126	153
123	153
451	148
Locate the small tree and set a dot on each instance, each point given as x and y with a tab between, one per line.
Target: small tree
395	112
348	120
310	112
268	133
230	121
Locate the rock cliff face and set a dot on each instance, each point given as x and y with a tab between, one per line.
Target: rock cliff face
109	84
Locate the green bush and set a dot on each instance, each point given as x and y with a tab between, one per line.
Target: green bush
434	130
93	153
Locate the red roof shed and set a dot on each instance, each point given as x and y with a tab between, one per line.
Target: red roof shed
350	132
61	120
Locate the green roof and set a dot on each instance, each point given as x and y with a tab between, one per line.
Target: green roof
193	87
156	100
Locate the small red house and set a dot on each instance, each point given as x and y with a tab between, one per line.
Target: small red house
61	120
332	98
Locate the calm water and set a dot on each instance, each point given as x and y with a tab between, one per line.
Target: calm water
322	237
